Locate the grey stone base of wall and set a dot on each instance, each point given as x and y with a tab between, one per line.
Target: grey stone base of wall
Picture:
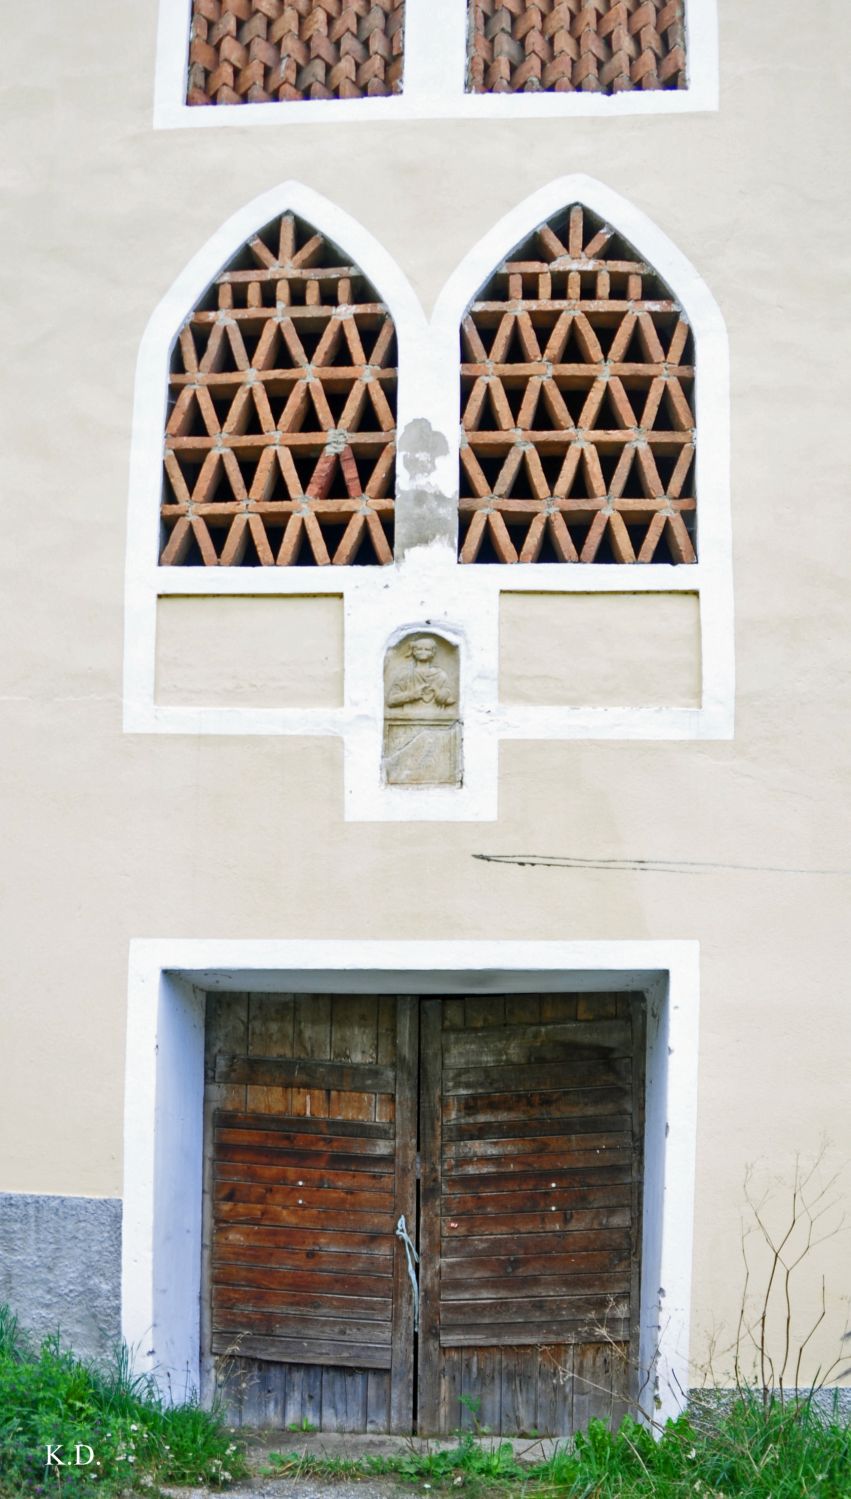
60	1268
829	1401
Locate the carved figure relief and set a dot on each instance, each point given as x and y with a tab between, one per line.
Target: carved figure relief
422	725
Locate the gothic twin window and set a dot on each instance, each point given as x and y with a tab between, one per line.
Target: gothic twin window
280	440
271	51
577	437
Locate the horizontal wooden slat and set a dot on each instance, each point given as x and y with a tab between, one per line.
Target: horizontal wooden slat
529	1334
306	1240
313	1146
523	1045
369	1308
538	1309
364	1129
323	1261
325	1199
284	1072
498	1178
595	1072
306	1218
312	1282
566	1219
319	1159
520	1248
300	1325
301	1351
590	1205
546	1136
614	1282
233	1163
551	1158
465	1111
515	1268
539	1125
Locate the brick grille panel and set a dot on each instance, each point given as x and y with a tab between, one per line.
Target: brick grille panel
578	436
262	51
599	46
281	436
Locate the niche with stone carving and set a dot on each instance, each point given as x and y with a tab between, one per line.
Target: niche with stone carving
422	716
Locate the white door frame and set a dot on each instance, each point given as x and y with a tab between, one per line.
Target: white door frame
163	1116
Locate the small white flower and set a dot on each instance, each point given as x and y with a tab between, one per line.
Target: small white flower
134	1428
131	1458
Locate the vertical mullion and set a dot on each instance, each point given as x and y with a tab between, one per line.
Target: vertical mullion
428	1413
402	1344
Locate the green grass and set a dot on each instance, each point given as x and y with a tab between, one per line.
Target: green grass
787	1451
47	1396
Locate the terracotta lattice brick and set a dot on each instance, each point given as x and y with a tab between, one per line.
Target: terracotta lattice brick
281	436
578	436
262	51
600	46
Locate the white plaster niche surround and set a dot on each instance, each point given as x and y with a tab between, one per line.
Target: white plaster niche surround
164	1090
426	588
434	80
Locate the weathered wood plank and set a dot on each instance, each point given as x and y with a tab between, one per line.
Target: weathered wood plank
304	1351
428	1389
325	1303
359	1129
615	1204
465	1110
290	1324
311	1282
348	1077
596	1071
326	1199
304	1218
267	1132
540	1126
566	1304
407	1068
524	1045
530	1334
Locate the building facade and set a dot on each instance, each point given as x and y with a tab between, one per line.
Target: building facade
425	706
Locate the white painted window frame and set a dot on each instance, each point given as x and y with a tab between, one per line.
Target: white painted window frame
164	1088
428	584
433	85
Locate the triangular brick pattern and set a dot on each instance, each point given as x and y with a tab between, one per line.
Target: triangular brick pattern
281	436
263	51
577	384
596	46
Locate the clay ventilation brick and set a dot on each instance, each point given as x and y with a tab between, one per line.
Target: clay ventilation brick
262	51
567	45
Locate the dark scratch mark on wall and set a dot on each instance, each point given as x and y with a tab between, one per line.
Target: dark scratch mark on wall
649	866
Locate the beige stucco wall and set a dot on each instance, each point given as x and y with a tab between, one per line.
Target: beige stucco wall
254	653
108	837
600	650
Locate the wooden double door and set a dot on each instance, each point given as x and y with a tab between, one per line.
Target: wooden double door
421	1215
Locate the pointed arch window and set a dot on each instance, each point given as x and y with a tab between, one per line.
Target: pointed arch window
281	432
269	51
578	430
568	46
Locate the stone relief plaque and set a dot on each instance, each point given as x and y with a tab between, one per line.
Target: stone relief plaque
422	724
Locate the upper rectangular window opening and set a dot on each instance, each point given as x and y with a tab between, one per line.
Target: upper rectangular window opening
564	46
270	51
